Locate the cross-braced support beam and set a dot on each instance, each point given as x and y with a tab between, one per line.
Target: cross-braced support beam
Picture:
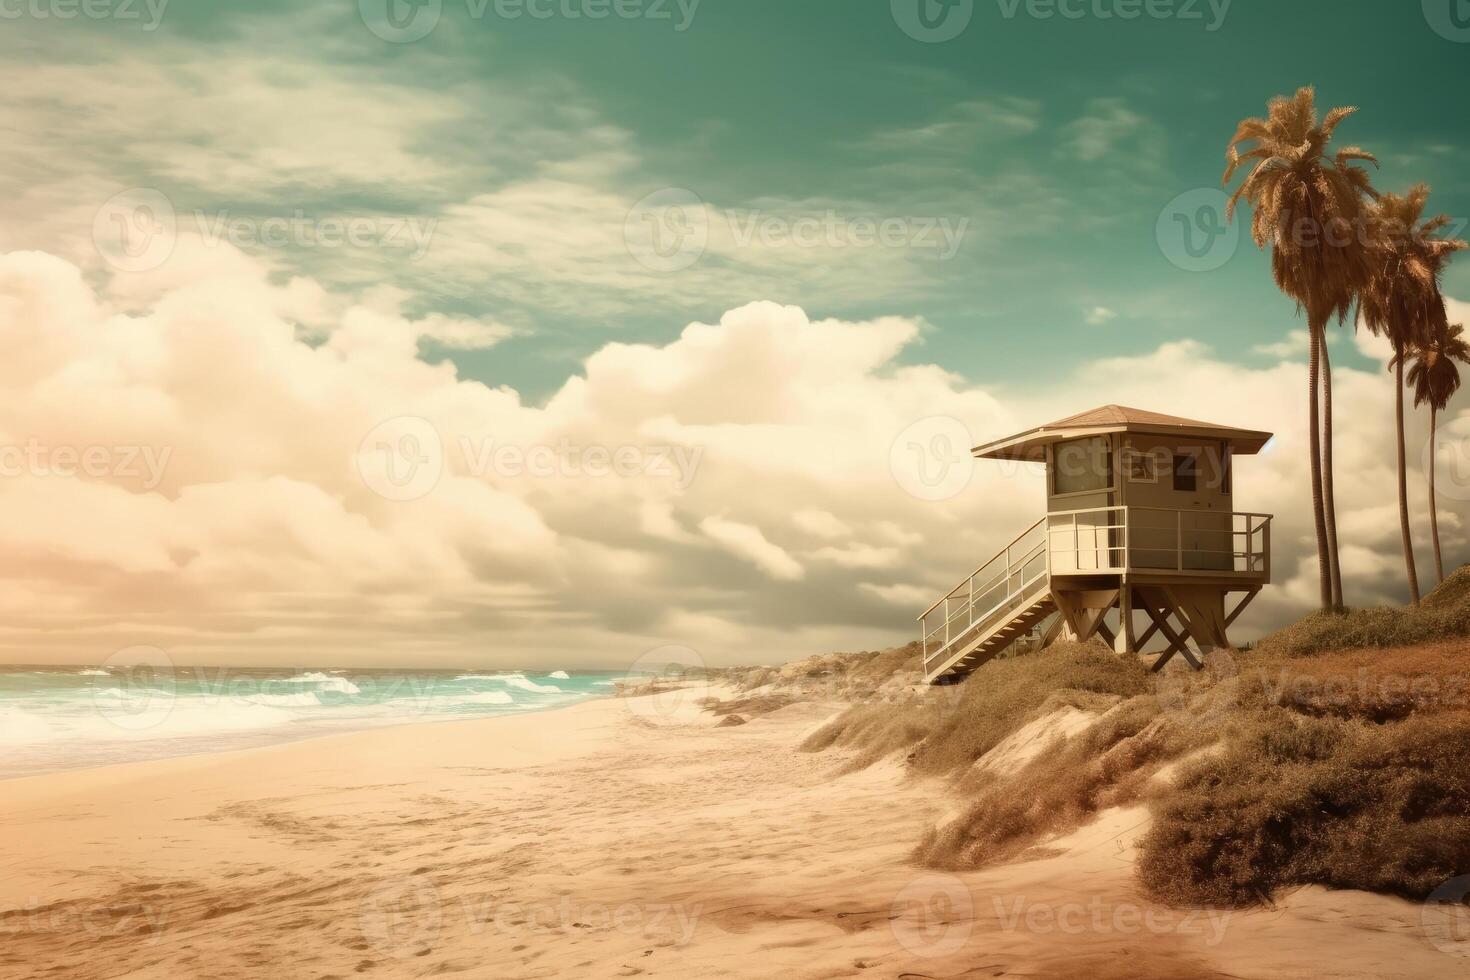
1200	613
1191	618
1083	611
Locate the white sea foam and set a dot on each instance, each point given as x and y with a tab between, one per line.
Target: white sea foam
305	699
101	718
20	727
326	682
133	693
532	686
513	680
486	697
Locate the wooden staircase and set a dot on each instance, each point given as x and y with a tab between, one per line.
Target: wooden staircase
1002	601
992	635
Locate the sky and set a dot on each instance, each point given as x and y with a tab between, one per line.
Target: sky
525	332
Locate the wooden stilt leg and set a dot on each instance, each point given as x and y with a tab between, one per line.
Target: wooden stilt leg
1202	610
1125	642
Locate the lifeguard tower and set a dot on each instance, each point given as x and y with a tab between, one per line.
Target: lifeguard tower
1139	518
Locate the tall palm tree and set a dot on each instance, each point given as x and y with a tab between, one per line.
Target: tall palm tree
1435	375
1402	302
1309	209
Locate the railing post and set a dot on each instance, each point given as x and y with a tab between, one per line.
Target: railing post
1179	541
1009	593
1266	547
946	620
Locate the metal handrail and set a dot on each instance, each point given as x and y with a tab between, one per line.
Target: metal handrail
968	620
999	554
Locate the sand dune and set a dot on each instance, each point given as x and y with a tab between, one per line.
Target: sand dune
613	839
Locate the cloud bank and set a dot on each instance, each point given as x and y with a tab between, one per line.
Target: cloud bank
240	469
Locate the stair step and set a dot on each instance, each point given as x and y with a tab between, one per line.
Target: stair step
983	642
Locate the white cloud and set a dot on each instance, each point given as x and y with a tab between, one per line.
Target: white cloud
1109	127
908	597
1098	315
1291	347
756	508
747	541
963	127
820	523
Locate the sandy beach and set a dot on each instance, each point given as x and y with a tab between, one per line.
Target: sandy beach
616	838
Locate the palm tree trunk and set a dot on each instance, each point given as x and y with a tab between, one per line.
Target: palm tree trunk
1334	566
1398	405
1314	439
1433	505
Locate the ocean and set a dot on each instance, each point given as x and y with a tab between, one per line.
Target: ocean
72	718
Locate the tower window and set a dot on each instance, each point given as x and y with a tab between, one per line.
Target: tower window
1186	472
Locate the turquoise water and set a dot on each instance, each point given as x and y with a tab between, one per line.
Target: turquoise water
70	718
